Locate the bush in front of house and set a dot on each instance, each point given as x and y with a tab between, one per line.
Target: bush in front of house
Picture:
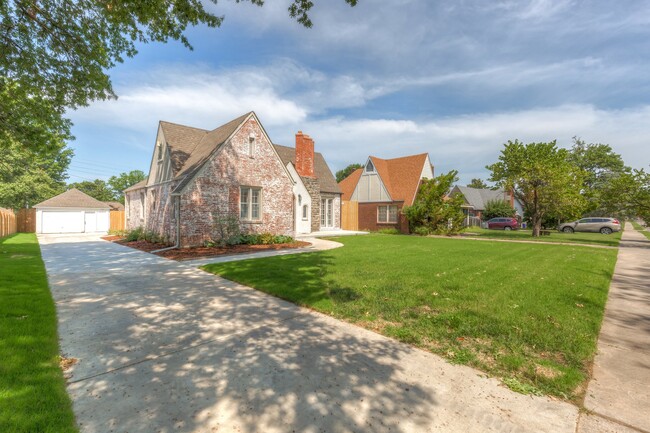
422	231
136	234
265	239
498	209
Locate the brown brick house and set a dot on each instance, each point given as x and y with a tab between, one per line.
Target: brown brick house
199	177
383	186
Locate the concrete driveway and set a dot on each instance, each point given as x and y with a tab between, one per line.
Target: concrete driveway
164	347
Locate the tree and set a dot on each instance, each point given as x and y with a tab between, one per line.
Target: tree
97	188
628	195
601	166
497	209
29	176
124	180
434	212
342	174
478	184
55	54
543	180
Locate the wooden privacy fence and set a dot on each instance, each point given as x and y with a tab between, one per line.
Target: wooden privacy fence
26	221
117	220
349	215
7	222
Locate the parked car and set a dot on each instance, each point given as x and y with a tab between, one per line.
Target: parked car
503	224
606	226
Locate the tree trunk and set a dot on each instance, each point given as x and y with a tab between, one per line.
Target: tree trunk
536	218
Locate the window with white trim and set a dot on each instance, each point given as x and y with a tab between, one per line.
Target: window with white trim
250	203
387	214
305	212
370	167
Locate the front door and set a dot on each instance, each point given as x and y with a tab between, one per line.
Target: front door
91	222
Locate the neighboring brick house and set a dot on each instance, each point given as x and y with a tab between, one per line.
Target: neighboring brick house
198	178
317	195
476	199
383	186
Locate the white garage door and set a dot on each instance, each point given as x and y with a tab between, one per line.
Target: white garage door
63	221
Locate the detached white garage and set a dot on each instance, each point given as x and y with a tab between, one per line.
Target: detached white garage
72	212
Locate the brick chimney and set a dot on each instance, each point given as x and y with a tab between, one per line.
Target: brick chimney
304	155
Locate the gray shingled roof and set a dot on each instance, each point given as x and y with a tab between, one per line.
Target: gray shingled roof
138	185
321	169
478	198
73	198
200	153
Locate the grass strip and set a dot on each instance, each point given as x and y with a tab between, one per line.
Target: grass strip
33	397
526	235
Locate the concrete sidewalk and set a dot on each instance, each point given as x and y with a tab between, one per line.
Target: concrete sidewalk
163	346
619	392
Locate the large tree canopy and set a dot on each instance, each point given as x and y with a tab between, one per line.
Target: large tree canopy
55	54
124	180
601	167
97	188
30	176
543	179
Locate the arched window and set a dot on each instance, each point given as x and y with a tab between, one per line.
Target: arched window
305	212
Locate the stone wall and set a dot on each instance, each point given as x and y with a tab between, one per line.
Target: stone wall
215	191
313	188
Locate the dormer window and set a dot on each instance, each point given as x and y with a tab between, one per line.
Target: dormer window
251	145
370	168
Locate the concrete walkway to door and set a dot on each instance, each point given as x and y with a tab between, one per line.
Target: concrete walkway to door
619	393
165	347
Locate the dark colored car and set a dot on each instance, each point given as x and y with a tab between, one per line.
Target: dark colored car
503	224
605	226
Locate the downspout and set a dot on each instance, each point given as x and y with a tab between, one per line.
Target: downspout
177	211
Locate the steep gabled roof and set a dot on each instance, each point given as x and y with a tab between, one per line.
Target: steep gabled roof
401	176
73	198
321	169
348	184
181	140
190	148
478	198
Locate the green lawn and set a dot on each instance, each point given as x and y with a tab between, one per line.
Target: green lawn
555	236
642	229
32	389
528	313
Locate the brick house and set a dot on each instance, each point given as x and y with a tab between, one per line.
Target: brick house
383	186
198	179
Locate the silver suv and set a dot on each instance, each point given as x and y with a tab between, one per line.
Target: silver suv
605	226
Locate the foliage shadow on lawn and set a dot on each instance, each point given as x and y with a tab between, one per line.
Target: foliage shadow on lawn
477	303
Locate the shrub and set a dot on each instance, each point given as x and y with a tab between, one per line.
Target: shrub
226	230
118	232
498	209
267	238
390	231
135	234
282	239
421	231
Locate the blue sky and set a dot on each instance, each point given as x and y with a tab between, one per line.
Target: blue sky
390	78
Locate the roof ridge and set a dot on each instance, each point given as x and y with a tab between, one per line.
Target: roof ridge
184	126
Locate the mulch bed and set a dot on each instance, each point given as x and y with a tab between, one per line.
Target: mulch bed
181	254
